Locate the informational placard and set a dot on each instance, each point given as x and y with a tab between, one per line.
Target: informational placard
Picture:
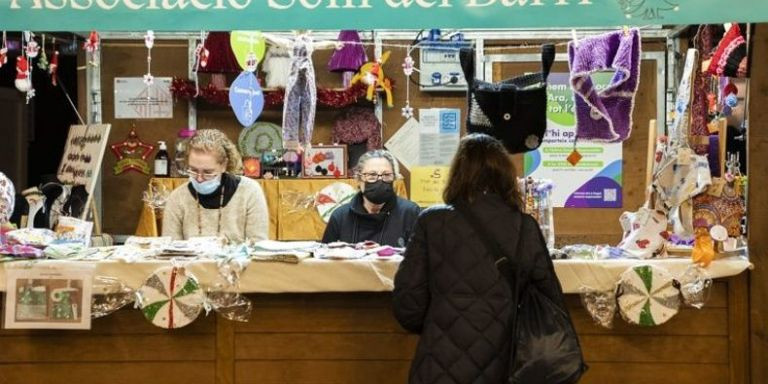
404	144
427	185
48	296
135	100
439	135
83	154
596	180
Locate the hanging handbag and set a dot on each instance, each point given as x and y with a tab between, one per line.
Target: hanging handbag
545	347
513	110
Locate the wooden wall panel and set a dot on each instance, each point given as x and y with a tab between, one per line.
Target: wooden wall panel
112	372
758	204
122	195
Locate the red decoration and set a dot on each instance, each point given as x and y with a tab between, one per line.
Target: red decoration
185	89
132	154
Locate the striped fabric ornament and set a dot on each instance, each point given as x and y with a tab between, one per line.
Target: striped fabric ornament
647	296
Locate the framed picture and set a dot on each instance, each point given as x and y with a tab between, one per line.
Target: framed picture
326	161
48	297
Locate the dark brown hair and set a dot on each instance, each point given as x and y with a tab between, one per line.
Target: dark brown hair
482	165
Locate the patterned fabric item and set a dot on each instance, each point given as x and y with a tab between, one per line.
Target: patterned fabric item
723	204
643	232
171	298
705	40
300	96
730	54
647	296
7	198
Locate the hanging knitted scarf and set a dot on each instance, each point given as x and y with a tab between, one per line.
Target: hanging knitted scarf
605	115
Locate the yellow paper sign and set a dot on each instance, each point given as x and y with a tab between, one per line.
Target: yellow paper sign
427	184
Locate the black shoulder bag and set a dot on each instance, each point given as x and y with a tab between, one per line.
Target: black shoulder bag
545	347
513	110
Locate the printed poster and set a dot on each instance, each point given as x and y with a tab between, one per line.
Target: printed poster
135	100
596	180
439	135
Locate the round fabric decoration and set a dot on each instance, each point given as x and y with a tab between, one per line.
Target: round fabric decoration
7	198
260	137
647	296
332	197
171	298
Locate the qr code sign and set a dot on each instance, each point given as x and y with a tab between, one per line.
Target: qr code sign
609	194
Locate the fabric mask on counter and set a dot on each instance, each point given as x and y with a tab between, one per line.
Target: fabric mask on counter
206	187
378	192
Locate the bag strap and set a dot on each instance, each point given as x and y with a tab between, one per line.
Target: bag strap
547	59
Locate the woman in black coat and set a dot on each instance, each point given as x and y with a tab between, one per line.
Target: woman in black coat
449	289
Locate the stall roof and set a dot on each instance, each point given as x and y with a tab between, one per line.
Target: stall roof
195	15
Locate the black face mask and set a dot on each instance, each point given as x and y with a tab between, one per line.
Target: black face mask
378	192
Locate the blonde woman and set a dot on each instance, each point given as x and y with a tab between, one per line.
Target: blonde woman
216	201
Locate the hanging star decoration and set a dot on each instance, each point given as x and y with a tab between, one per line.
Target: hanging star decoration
132	155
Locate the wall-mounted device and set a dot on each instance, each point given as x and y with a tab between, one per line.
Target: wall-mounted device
439	66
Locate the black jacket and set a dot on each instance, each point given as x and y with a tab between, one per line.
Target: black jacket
351	223
449	289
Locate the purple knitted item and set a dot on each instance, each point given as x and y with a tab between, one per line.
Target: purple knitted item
605	115
350	57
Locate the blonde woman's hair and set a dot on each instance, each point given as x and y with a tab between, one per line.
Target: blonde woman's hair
217	143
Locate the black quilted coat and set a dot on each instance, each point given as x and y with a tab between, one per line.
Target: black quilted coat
449	290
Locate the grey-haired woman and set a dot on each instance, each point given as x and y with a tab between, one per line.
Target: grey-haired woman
376	213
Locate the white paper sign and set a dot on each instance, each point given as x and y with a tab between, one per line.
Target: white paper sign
83	153
135	100
404	144
53	295
439	135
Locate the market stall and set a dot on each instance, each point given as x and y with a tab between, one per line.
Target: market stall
290	310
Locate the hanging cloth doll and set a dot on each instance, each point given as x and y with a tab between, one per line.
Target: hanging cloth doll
301	91
605	115
349	58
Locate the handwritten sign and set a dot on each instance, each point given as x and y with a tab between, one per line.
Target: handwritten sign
83	153
427	184
246	98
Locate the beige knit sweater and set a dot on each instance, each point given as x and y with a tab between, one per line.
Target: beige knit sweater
244	217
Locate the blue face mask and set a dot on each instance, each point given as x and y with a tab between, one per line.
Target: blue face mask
206	187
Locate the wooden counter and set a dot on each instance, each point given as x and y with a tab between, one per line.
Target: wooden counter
353	338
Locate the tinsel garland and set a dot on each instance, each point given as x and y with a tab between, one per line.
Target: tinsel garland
185	89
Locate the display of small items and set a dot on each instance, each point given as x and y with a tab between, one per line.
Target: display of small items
326	161
279	163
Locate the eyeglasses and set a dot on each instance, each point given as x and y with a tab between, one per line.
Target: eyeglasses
203	175
372	177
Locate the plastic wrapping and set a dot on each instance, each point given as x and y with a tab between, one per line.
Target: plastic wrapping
601	305
156	196
34	237
224	297
695	286
297	201
109	295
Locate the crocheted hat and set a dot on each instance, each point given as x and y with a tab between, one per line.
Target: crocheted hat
731	53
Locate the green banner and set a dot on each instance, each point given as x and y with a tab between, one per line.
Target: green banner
195	15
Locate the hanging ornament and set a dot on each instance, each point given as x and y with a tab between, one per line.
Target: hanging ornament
23	82
171	298
601	305
132	155
32	49
43	62
91	45
249	48
372	75
4	51
246	98
149	42
408	68
202	54
53	68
